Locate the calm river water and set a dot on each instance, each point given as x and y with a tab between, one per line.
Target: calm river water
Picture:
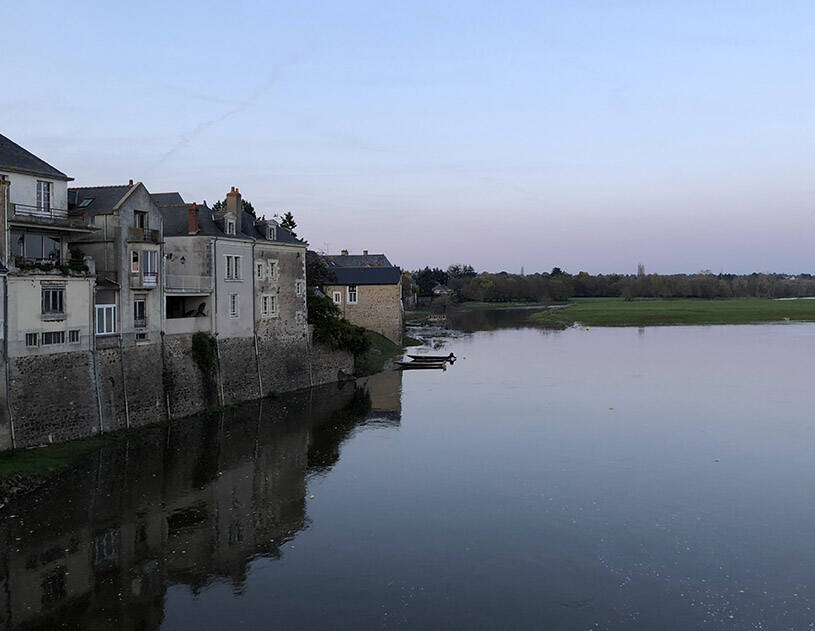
661	478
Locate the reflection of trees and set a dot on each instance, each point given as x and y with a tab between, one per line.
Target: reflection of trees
185	504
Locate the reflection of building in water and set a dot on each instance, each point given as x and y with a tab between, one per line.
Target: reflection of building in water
386	394
185	504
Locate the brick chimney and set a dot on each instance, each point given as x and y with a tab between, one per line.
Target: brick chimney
192	219
344	252
234	206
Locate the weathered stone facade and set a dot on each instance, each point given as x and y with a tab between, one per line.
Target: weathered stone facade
238	369
187	389
53	397
377	307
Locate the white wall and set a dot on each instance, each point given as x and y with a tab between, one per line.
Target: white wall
25	313
242	326
23	189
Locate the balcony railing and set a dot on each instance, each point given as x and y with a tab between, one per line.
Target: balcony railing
144	235
188	283
145	280
43	212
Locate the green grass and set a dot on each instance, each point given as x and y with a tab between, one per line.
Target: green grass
655	312
464	306
39	462
381	350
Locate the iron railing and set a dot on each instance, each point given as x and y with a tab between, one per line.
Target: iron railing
44	212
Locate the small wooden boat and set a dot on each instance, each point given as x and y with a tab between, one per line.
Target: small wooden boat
414	365
434	358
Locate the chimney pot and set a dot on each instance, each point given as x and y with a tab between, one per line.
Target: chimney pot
344	252
131	182
365	253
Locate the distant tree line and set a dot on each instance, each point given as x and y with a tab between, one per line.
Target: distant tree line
559	285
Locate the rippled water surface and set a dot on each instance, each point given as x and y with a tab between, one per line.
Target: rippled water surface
661	478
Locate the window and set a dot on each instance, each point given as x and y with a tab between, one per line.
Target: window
337	297
271	233
352	294
140	337
53	337
299	287
259	270
43	195
36	245
140	311
230	226
273	270
134	261
105	319
233	267
73	336
86	202
234	305
268	306
31	339
150	263
140	219
53	300
299	317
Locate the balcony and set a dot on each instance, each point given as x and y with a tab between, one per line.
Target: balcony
41	212
142	235
188	284
145	280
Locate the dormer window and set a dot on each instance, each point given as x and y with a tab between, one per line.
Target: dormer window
230	226
271	232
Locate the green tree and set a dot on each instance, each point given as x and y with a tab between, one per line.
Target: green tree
220	206
288	222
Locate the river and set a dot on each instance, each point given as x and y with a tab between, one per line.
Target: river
656	478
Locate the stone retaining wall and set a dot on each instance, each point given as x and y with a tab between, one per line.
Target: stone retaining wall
58	397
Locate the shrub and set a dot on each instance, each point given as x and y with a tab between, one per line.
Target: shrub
334	331
204	351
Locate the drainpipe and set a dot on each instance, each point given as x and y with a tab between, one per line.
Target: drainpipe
6	361
215	317
255	323
124	381
94	356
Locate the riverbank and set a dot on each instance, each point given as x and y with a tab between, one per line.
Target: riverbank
659	312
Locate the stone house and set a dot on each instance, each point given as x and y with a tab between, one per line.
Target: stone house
242	280
47	319
127	247
367	291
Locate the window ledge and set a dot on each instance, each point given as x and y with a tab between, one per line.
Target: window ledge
53	317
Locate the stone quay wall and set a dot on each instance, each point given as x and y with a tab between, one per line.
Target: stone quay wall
63	396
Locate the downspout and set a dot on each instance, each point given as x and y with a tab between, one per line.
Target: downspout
255	322
6	360
94	356
215	316
124	381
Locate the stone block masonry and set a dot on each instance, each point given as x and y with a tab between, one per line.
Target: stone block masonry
59	397
53	398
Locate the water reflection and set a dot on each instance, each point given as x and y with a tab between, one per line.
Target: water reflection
99	546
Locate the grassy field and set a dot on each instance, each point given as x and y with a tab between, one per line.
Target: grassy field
655	312
512	304
39	462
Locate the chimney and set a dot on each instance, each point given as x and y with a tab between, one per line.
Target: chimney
192	219
365	253
234	206
131	182
344	252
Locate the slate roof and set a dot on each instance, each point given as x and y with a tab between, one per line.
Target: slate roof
103	198
366	275
175	221
258	231
14	158
358	260
167	199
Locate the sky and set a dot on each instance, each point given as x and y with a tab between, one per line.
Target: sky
585	135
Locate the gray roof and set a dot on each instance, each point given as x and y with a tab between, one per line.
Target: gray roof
257	230
167	199
14	158
102	198
175	221
358	260
366	275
